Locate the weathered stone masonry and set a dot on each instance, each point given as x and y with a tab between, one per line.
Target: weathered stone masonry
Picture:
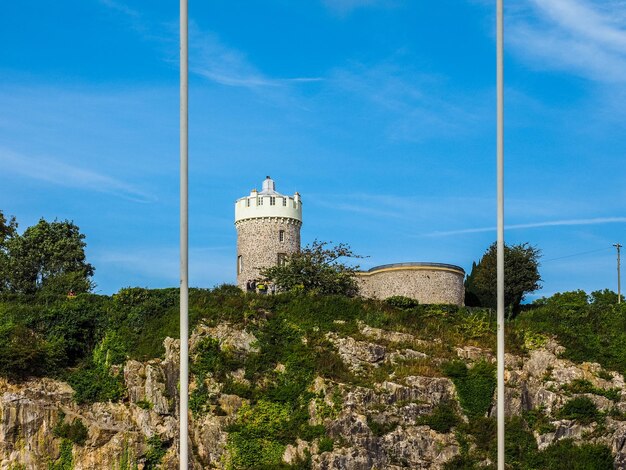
429	283
259	245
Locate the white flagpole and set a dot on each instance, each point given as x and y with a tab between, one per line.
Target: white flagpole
184	241
500	243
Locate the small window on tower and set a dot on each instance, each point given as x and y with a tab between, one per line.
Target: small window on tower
272	201
282	258
239	264
281	235
260	201
285	201
248	202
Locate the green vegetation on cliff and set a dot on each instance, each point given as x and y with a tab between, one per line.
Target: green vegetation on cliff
85	339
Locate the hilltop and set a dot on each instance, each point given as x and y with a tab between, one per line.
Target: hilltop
304	381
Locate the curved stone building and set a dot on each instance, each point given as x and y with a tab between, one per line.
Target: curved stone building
429	283
268	228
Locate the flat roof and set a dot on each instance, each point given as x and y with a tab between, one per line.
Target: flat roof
415	264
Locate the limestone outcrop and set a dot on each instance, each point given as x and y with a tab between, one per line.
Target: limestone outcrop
372	426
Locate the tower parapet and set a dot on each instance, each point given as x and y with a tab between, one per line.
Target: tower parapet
268	229
268	203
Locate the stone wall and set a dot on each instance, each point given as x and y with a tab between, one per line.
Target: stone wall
258	244
428	283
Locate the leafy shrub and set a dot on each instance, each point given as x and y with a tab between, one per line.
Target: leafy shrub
520	444
326	444
593	332
145	404
66	459
156	450
110	350
584	386
580	409
565	454
258	435
474	386
401	302
566	300
94	383
75	431
475	325
23	352
251	454
538	420
443	417
210	359
604	297
462	462
484	431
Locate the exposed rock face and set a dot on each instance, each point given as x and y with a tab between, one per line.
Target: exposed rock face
373	427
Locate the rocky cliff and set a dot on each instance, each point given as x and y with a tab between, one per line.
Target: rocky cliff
391	414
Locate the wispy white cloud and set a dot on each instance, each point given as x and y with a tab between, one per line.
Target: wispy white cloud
417	105
209	57
579	36
120	7
213	60
59	173
551	223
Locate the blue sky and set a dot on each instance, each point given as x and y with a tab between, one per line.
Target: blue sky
381	113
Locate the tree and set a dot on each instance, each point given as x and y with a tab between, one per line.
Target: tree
8	230
521	276
316	268
49	257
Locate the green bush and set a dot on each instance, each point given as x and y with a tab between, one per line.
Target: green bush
566	455
401	302
66	458
156	450
520	445
145	404
75	431
258	436
538	420
580	409
326	444
24	352
210	359
462	462
593	332
94	383
474	386
443	417
584	386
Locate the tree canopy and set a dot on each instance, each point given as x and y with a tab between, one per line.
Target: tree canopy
521	277
48	257
317	268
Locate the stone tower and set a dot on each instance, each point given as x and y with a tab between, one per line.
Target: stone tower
268	228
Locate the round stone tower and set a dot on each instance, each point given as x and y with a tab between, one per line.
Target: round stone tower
268	228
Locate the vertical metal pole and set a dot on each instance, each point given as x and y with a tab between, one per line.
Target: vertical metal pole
619	283
500	243
184	241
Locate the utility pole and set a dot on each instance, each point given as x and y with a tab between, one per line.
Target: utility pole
619	287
